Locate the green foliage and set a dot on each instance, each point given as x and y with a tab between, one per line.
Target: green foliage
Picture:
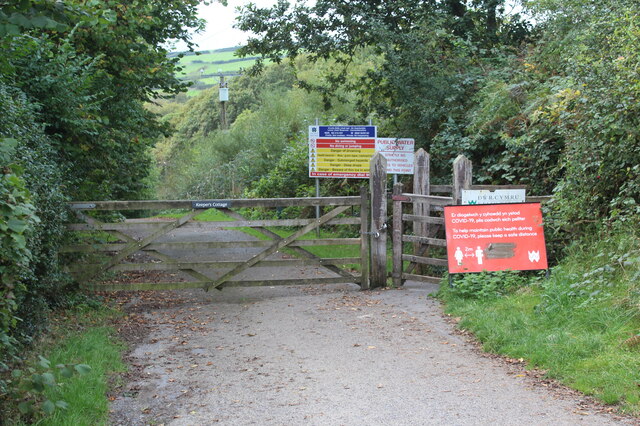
289	177
86	395
89	77
611	265
567	120
269	127
431	58
487	285
17	219
551	106
73	79
38	282
28	388
79	337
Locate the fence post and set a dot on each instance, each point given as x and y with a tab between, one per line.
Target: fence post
421	186
378	186
462	172
397	237
364	237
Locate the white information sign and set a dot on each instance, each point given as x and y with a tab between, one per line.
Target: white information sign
399	154
499	196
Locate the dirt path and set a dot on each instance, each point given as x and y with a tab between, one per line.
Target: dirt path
328	355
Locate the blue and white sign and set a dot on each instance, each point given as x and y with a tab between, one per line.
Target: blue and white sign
343	131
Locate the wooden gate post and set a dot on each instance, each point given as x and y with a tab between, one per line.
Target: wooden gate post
396	273
421	186
364	237
462	174
378	187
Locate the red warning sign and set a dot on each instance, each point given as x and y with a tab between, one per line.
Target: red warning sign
495	237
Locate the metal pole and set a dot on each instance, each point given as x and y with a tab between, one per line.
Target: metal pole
317	195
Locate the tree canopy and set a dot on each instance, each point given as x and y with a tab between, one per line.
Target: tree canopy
433	53
74	77
552	105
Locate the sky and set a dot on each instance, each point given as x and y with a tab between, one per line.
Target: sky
219	31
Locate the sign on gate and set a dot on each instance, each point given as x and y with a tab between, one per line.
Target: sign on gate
495	237
498	196
341	151
399	154
211	204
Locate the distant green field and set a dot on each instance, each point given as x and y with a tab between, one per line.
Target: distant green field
199	68
194	69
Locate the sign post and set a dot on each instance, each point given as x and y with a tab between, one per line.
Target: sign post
498	196
399	154
495	237
341	151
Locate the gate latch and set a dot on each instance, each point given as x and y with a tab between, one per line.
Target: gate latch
376	234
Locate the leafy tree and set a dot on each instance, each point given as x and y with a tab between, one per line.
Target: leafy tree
433	54
91	73
73	79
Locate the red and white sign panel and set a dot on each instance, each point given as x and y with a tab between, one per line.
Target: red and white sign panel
399	154
495	237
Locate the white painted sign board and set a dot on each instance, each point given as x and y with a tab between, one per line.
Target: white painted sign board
223	94
399	154
499	196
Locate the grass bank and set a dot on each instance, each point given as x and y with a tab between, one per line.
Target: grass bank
582	325
82	335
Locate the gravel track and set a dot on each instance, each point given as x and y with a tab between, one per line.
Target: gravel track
323	355
329	355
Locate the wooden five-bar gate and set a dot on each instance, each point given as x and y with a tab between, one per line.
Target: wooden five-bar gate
194	251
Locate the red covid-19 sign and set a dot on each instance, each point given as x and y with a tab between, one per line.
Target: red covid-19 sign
495	237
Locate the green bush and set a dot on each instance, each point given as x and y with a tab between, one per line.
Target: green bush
17	219
41	280
487	285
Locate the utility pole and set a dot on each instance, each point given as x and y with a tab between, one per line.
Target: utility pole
224	97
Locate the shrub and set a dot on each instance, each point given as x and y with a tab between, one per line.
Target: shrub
487	285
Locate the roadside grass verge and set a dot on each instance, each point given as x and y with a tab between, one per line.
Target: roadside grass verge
80	336
582	326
